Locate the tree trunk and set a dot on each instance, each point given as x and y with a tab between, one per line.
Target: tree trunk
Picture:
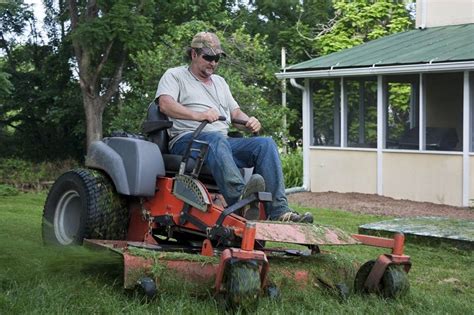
91	62
93	110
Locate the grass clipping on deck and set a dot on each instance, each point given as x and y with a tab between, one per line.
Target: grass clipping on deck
325	271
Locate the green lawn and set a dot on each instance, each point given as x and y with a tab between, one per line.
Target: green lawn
44	280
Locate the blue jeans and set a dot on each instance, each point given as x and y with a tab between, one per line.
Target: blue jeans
226	155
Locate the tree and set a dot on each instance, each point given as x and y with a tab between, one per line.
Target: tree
248	68
109	55
360	21
43	113
15	15
38	116
6	86
103	34
279	20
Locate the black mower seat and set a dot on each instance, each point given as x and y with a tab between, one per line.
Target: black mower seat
155	127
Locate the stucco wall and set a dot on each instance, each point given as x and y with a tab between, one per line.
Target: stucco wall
423	177
343	171
414	176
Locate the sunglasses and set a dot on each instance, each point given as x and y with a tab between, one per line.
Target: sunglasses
211	58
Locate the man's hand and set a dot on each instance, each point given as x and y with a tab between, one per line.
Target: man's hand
211	115
253	125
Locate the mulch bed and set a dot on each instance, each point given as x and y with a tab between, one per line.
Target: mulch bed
378	205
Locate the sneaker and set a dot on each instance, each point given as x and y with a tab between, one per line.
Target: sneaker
292	216
255	184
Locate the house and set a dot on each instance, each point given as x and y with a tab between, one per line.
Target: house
394	116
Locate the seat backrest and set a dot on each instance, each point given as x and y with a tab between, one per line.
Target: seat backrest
160	137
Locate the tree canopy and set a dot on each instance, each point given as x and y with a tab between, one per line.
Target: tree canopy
95	65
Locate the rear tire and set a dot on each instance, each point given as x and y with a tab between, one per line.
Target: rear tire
83	203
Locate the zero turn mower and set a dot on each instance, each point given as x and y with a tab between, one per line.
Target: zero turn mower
154	208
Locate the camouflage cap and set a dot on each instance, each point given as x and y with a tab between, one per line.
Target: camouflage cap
208	42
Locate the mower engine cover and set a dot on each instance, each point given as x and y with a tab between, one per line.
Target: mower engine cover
132	164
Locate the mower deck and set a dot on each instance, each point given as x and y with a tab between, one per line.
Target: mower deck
206	264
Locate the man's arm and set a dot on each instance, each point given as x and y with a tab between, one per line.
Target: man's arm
173	109
252	123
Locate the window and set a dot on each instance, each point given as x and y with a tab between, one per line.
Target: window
444	111
442	117
361	94
326	112
402	112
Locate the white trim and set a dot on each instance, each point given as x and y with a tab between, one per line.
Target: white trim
423	152
381	113
342	149
307	113
390	150
422	114
466	140
307	117
374	70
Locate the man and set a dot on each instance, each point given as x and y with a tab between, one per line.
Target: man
191	94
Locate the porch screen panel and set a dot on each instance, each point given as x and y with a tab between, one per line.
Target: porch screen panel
444	111
471	106
325	95
361	96
402	112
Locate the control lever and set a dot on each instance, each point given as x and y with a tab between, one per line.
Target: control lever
203	150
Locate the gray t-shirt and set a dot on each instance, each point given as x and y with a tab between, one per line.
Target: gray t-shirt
183	87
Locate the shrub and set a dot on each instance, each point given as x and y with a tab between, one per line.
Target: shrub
292	164
27	175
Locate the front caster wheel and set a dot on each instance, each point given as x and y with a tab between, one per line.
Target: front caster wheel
393	284
242	285
147	287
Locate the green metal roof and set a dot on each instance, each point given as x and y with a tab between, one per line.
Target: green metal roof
437	44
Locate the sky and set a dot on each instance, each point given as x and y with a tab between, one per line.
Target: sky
38	9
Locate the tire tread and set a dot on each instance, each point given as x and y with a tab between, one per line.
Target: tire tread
106	213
